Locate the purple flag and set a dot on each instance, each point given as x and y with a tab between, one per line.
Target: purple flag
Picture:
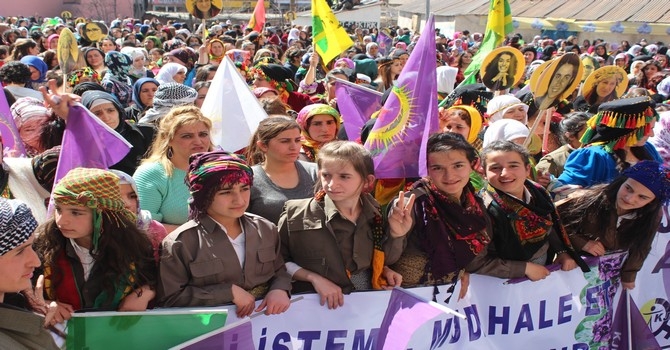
356	104
88	142
237	336
405	314
385	42
640	335
11	140
409	115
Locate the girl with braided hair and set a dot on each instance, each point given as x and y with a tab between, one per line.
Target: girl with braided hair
94	255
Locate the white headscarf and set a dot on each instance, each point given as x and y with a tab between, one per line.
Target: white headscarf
500	104
446	79
505	130
168	71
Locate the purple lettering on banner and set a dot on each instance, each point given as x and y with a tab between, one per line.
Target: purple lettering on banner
284	338
592	307
440	334
474	323
501	320
544	323
564	306
263	338
308	337
330	340
360	343
525	320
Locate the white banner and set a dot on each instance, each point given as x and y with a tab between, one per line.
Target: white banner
567	310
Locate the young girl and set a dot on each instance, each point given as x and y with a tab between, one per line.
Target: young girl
223	254
527	231
624	214
94	255
278	174
319	123
452	227
335	242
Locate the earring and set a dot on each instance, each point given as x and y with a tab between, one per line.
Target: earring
169	152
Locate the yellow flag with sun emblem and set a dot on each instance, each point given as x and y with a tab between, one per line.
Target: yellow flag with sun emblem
329	37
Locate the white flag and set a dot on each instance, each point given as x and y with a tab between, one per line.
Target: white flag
232	107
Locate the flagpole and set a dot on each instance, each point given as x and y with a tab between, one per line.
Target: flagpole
628	320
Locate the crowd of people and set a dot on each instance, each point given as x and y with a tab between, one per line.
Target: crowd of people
179	223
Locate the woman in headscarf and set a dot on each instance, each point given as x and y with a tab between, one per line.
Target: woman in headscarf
168	96
144	90
116	80
320	124
138	69
172	73
95	59
38	71
216	51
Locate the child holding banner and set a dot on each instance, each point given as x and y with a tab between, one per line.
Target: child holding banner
622	215
223	254
337	242
94	255
527	231
451	227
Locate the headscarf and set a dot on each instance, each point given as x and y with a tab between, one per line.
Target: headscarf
156	41
92	98
293	35
52	36
89	49
143	216
17	224
634	50
652	175
118	64
44	167
95	189
505	130
475	121
137	88
167	96
186	55
446	79
208	172
348	61
501	104
134	53
27	108
38	64
305	114
168	71
75	77
213	58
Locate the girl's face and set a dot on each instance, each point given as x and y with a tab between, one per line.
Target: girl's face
35	51
507	172
396	68
517	113
147	93
95	59
528	57
449	171
632	195
504	63
600	50
107	45
138	62
283	148
75	222
189	139
16	268
29	132
606	86
217	49
34	73
107	113
662	59
129	197
322	128
230	202
403	60
455	121
202	93
650	71
148	44
341	181
155	56
180	77
203	5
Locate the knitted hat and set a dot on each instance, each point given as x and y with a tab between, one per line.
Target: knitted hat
95	189
501	104
474	95
17	224
653	175
620	123
208	171
28	107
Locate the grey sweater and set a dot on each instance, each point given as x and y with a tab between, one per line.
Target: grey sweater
267	199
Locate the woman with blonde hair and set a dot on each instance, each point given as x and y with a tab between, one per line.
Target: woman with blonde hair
160	178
